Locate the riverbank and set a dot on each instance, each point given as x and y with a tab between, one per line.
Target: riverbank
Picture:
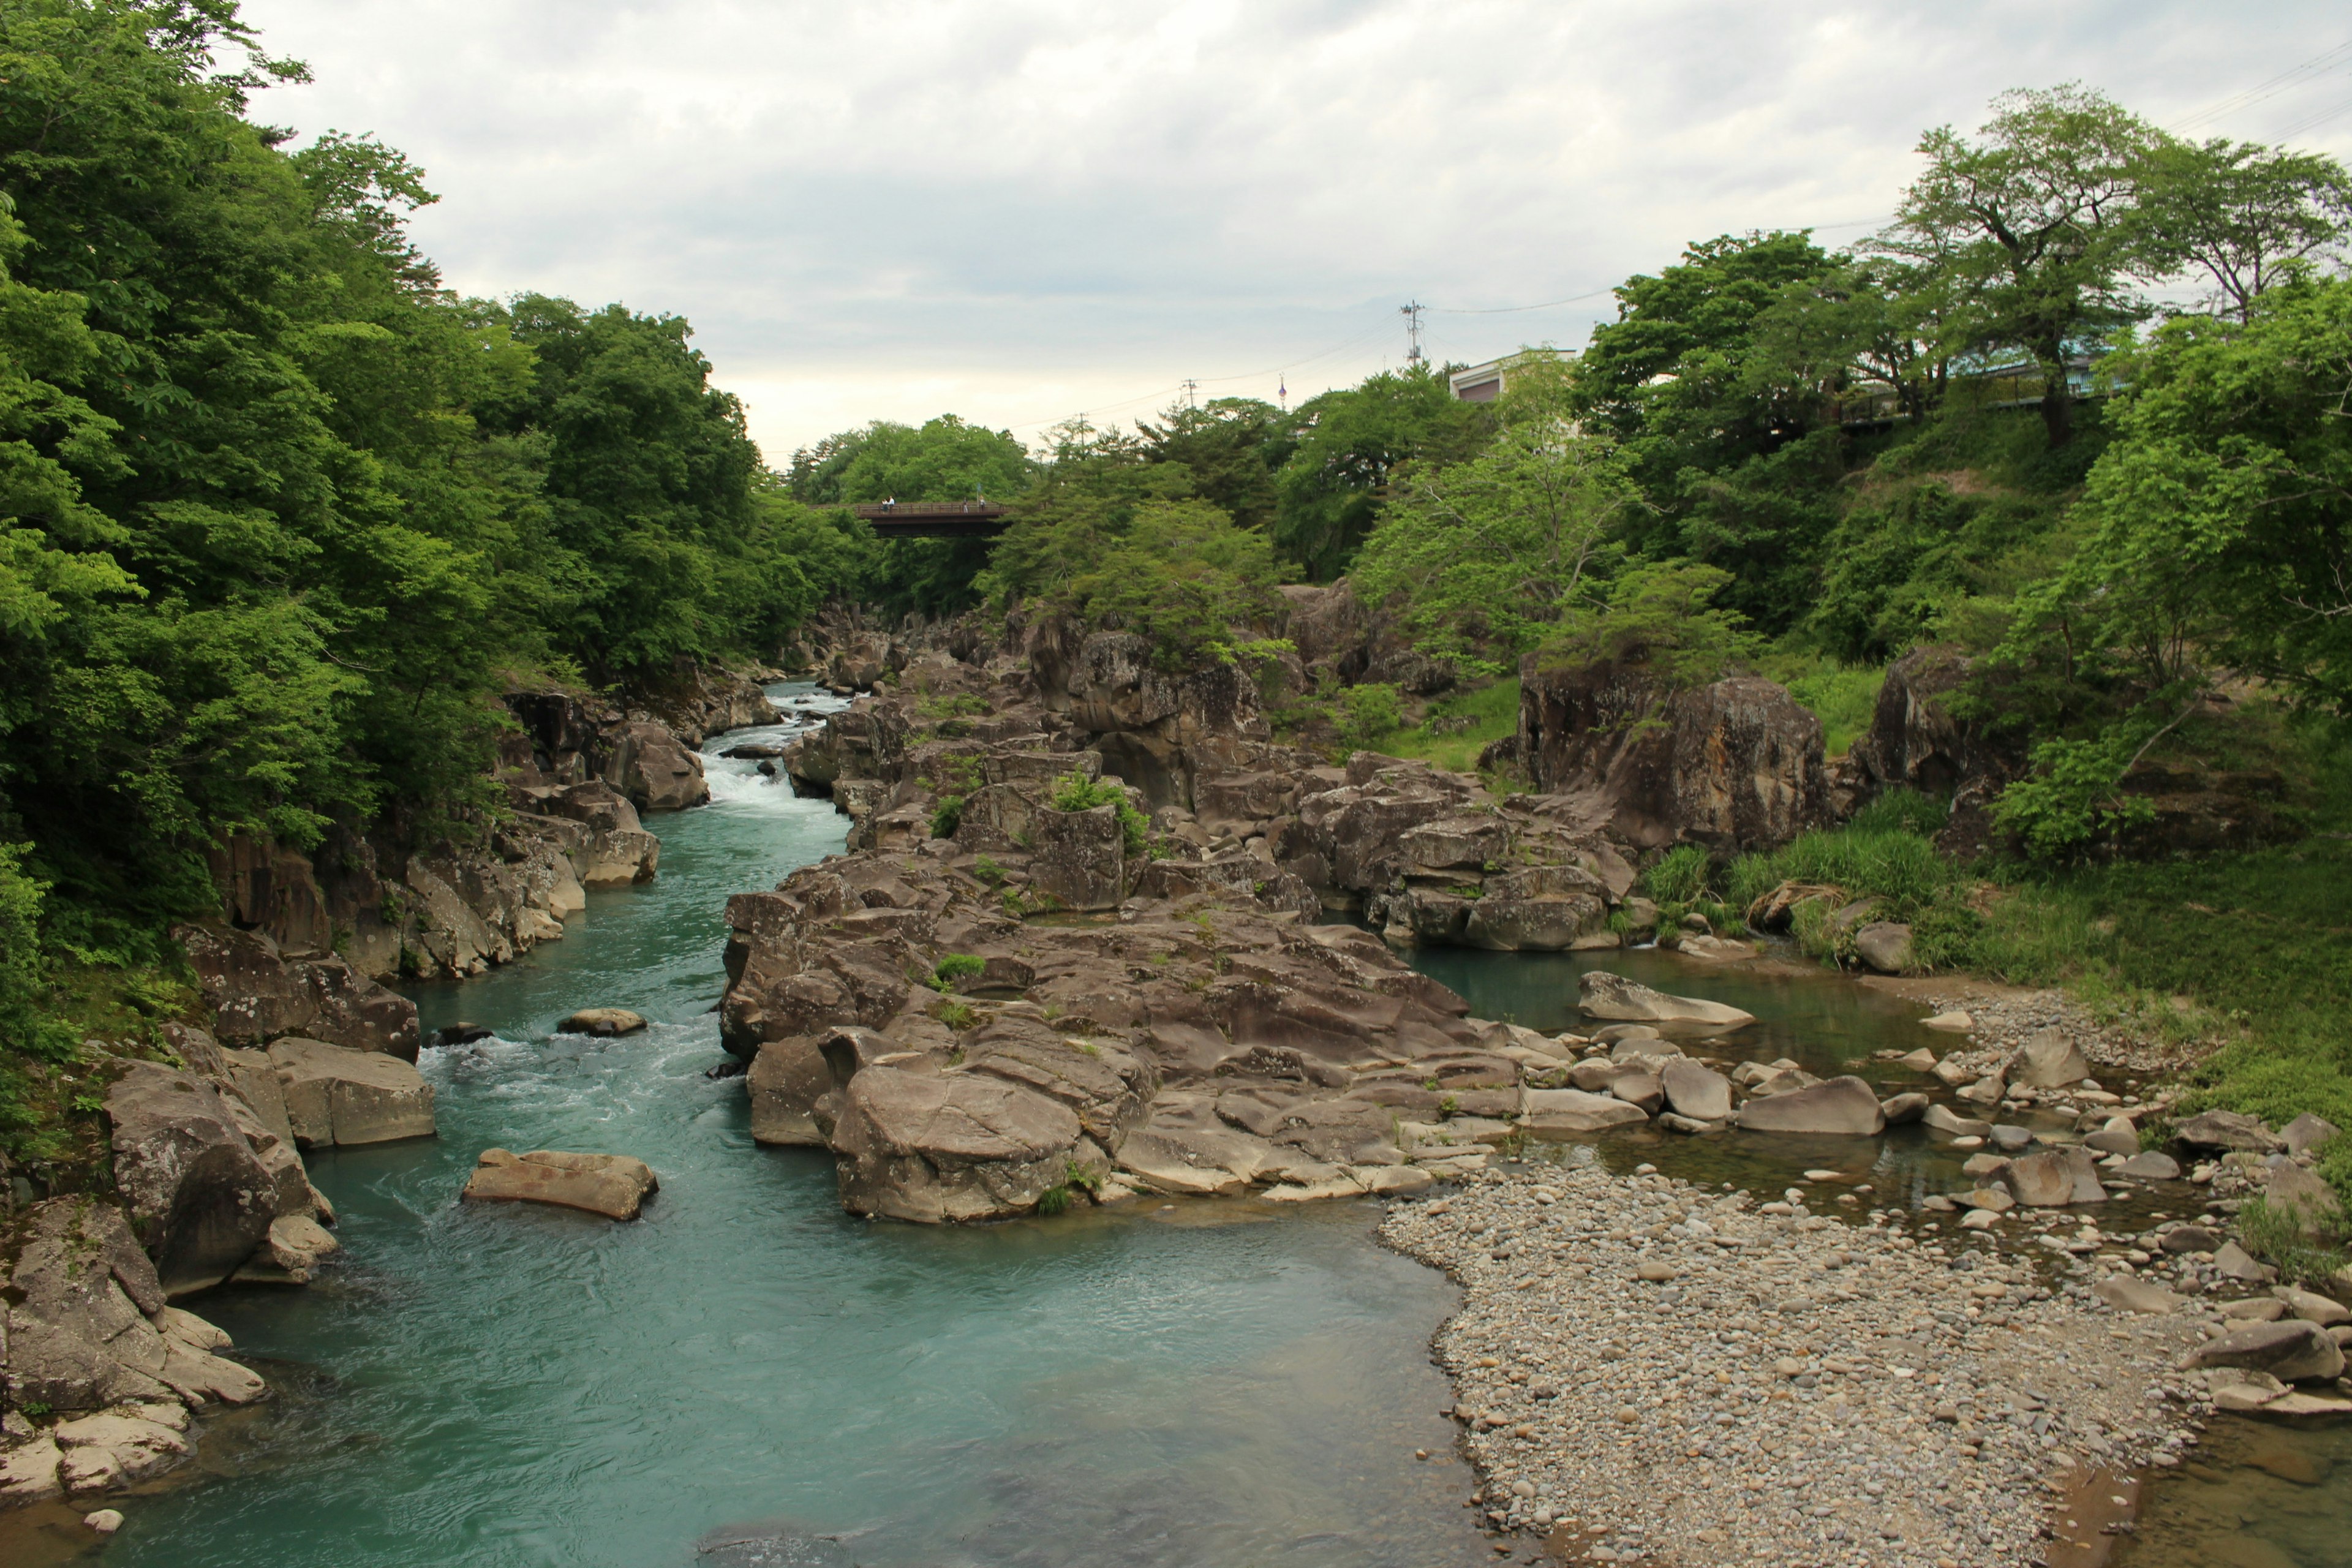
1647	1371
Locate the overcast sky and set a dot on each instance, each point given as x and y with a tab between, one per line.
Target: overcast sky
1018	210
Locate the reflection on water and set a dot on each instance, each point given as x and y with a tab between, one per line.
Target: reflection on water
748	1376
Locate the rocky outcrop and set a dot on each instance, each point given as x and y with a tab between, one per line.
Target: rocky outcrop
612	1185
1916	742
197	1191
91	1335
649	764
256	993
339	1096
1735	765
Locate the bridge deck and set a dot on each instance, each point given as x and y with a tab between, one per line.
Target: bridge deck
936	519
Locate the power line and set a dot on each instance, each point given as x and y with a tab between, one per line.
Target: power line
2262	90
2315	122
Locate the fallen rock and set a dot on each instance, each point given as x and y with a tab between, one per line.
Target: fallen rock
1844	1107
783	1085
29	1473
194	1185
1698	1092
1884	946
2049	1059
116	1447
2312	1306
2306	1132
1956	1022
2291	1190
2292	1351
2119	1136
2227	1130
2150	1167
614	1185
1941	1118
1605	995
1570	1110
601	1022
2056	1178
2234	1262
2127	1294
1903	1109
338	1096
294	1249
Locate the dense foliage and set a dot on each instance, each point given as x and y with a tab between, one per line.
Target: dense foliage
279	516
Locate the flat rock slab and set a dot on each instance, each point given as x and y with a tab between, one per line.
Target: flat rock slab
614	1185
1571	1111
602	1021
1843	1107
1605	995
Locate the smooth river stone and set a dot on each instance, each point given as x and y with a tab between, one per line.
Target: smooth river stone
614	1185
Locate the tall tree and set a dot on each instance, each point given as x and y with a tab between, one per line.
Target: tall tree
1350	440
2032	223
2248	218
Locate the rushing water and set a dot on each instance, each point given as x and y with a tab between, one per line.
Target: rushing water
747	1376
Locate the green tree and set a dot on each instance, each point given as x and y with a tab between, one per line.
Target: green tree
1483	555
2248	216
1349	441
2031	228
1233	446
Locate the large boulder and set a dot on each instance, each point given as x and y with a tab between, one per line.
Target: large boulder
614	1185
1078	858
786	1080
1735	765
1884	946
1845	1107
1601	995
1543	909
933	1147
1571	1111
2049	1059
615	850
1696	1091
200	1195
2293	1351
256	993
89	1324
2054	1178
2226	1130
335	1096
647	764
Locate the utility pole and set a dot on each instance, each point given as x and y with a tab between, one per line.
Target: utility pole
1411	314
1191	387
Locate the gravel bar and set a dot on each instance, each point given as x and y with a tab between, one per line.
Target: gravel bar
1646	1371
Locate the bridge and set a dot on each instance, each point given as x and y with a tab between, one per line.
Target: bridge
936	519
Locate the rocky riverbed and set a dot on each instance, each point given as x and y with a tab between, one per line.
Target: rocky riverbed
1648	1371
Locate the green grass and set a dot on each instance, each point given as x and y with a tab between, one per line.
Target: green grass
1842	697
1457	728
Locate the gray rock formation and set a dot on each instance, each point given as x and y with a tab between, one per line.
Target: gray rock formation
1844	1107
255	994
337	1096
200	1195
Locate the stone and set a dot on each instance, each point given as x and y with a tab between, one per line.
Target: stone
2150	1167
1078	858
104	1520
1716	949
1991	1198
194	1185
29	1473
783	1087
2306	1132
2291	1190
1920	1060
1955	1021
1884	946
113	1446
1939	1118
1640	1088
2233	1262
2190	1238
1602	994
2126	1294
601	1022
1655	1272
1571	1111
2236	1389
2257	1310
294	1249
1987	1091
2011	1140
2056	1178
2292	1351
2049	1059
1190	1167
1980	1219
2119	1136
1840	1107
2302	1404
338	1096
1902	1110
2225	1130
934	1147
2312	1306
648	766
614	1185
256	993
1695	1090
1984	1165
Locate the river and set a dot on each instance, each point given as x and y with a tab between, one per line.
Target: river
746	1377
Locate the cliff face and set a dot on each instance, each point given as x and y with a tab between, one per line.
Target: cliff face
1735	765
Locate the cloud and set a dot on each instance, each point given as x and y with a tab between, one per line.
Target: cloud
1023	208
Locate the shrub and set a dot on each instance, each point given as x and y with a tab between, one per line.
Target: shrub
956	967
988	871
1369	715
1075	792
1681	877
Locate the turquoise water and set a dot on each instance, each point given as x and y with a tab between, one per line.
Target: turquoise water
746	1376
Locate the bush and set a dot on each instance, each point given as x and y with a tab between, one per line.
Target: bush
1369	715
1681	877
1842	700
956	967
1075	792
